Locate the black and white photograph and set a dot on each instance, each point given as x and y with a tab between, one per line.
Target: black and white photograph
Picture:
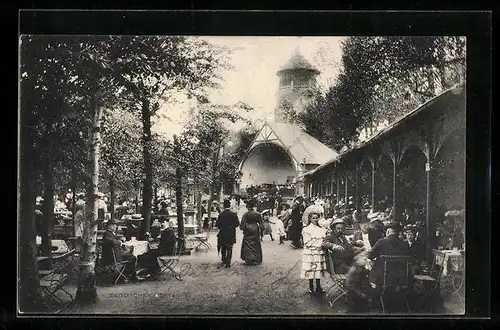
242	175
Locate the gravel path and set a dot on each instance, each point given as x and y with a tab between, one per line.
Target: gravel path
273	287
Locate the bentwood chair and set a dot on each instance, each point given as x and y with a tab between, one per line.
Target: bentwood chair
396	280
338	289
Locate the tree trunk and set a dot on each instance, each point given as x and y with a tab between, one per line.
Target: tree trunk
86	292
48	207
113	195
178	202
147	190
155	206
198	205
137	193
73	188
29	284
178	197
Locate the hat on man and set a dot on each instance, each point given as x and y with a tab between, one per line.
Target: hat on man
395	226
410	228
265	212
337	221
111	222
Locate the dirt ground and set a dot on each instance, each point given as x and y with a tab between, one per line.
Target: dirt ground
273	287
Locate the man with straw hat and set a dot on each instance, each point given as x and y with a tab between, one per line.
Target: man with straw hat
341	249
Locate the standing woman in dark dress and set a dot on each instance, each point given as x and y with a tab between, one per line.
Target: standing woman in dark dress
251	225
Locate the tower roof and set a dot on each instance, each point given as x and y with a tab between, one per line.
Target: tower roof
298	61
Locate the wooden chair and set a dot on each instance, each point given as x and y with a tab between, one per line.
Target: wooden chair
53	281
396	279
169	262
339	281
427	284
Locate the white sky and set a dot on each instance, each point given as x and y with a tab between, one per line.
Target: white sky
253	79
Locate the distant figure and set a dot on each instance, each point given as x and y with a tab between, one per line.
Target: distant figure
251	225
204	214
279	228
227	222
102	208
295	229
266	230
79	218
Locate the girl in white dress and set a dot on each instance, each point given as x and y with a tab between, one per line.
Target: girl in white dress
313	257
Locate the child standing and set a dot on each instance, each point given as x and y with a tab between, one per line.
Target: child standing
279	228
313	256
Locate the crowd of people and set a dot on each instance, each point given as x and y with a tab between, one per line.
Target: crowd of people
317	226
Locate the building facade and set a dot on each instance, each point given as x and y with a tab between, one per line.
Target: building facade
282	150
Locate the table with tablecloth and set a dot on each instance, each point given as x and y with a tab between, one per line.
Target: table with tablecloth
453	271
450	260
140	247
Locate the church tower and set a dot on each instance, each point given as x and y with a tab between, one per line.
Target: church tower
297	82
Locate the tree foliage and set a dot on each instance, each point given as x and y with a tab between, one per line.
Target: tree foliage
382	78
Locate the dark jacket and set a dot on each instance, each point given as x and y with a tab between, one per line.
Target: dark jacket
110	244
167	242
341	259
416	250
376	231
390	245
227	222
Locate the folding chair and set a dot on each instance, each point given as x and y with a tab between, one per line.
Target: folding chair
396	278
114	271
201	239
169	262
339	280
54	280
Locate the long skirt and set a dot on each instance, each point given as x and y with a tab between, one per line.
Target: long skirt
251	250
313	264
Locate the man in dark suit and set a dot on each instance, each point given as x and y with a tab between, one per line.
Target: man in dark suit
112	250
376	231
227	222
390	245
342	250
296	221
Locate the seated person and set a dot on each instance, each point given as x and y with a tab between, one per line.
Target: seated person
167	240
166	247
336	241
357	282
375	230
155	229
415	249
362	235
111	244
389	245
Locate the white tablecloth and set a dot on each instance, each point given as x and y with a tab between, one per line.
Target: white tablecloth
452	260
140	247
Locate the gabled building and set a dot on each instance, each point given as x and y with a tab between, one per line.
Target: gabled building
282	150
